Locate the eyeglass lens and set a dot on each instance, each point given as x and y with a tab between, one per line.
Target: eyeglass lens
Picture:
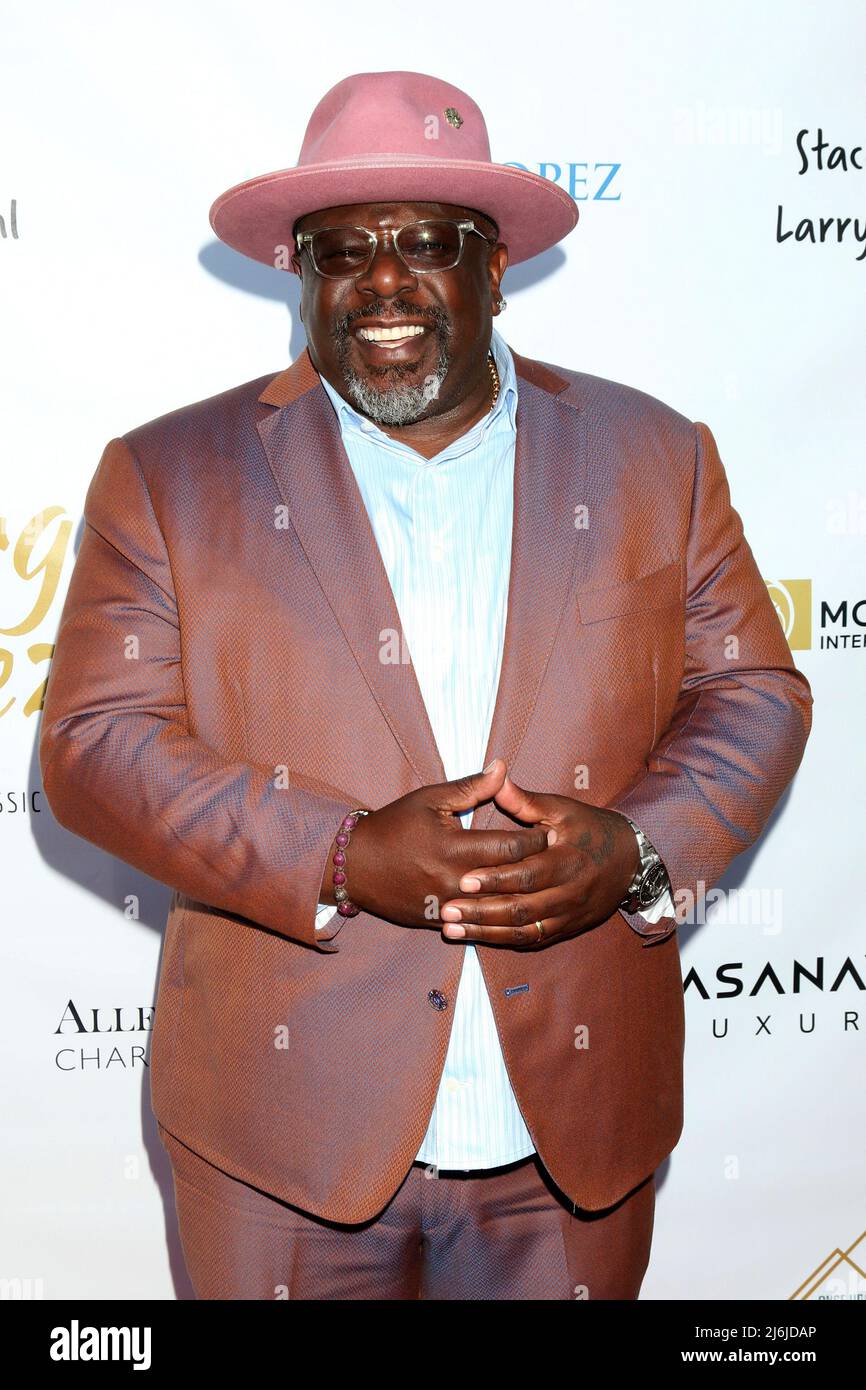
424	246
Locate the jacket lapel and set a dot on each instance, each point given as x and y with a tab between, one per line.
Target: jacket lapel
302	441
549	479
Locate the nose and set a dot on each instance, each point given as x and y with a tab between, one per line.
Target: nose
386	274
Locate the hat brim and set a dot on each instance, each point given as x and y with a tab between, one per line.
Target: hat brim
256	217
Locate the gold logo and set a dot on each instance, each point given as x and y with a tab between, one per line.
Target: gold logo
453	117
842	1275
792	600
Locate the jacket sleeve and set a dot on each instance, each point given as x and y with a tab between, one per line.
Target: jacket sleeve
120	765
742	717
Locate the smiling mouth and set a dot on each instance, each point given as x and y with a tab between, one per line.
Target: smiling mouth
389	339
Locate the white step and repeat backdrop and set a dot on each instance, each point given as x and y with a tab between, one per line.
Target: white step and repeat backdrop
719	264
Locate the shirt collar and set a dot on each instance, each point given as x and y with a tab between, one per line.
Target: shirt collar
505	409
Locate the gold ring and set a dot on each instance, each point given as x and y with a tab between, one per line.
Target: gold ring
540	926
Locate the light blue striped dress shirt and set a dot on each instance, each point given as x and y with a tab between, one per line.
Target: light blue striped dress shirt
443	526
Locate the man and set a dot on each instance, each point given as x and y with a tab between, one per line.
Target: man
419	1029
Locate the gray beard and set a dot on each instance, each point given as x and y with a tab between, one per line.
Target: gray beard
402	403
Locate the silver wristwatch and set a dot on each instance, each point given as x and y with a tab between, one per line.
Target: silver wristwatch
650	878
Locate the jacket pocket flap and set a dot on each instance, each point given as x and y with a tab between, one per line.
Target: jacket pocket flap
649	591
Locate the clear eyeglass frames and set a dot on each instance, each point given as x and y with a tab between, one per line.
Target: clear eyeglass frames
425	247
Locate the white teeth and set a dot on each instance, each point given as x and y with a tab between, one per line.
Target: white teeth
383	335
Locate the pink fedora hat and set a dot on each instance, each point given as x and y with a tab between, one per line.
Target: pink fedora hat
393	137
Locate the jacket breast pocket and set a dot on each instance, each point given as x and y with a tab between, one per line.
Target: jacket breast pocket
632	637
648	594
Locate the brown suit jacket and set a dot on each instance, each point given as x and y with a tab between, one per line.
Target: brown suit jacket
217	702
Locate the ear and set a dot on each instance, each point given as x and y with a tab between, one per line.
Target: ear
496	268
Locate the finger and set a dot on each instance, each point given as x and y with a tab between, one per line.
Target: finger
520	803
515	910
529	875
496	847
464	793
517	938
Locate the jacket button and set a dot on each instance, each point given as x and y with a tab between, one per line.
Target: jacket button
437	999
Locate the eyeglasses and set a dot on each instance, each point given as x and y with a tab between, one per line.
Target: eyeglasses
423	247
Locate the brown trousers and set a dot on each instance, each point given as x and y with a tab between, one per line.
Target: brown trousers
498	1233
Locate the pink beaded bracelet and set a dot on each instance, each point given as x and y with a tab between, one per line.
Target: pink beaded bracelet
345	906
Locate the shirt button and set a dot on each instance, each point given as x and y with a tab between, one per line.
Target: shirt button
437	999
452	1085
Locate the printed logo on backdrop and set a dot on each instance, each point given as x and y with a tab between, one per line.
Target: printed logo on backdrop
841	1275
9	222
819	156
841	620
781	997
792	600
596	181
108	1038
31	563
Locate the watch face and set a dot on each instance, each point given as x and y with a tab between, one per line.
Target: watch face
653	885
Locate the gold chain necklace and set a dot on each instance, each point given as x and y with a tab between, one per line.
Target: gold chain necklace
495	378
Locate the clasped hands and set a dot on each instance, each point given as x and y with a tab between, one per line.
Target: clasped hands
568	865
576	881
